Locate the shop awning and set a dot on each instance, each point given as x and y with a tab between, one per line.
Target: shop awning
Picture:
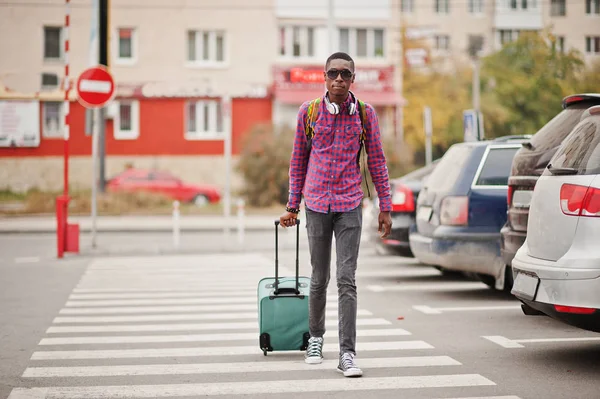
298	96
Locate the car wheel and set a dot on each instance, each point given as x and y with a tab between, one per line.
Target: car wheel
508	279
200	200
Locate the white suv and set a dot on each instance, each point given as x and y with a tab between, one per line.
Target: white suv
557	270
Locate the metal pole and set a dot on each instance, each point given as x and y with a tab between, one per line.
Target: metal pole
331	26
176	224
95	137
103	58
226	109
428	134
67	88
476	93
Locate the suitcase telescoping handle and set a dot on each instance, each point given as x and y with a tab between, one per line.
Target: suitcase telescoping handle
296	290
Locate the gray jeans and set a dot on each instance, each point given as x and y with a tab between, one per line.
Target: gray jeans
347	227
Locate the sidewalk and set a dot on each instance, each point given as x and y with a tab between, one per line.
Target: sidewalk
141	223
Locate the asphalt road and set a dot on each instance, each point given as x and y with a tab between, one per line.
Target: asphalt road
437	336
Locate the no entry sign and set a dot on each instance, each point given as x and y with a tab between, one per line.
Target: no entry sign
95	87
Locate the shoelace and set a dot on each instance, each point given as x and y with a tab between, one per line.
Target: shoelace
314	347
348	361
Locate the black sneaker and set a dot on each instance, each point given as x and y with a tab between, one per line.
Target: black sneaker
348	367
314	352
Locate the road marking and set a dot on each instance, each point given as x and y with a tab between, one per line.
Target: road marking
189	327
210	351
27	259
253	387
171	317
441	286
158	295
331	306
516	343
415	272
142	339
503	341
488	397
223	368
430	310
180	301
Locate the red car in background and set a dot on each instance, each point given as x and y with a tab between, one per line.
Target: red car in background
154	181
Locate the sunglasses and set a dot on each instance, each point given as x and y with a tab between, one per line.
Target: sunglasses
346	74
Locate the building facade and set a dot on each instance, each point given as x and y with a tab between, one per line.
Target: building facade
173	67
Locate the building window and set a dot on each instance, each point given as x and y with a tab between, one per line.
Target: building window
53	119
365	43
126	45
127	120
442	42
53	49
204	119
592	7
559	45
558	8
206	47
49	81
442	6
297	41
476	6
592	44
407	6
507	36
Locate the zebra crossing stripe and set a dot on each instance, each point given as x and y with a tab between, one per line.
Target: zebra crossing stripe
210	351
171	309
189	327
171	317
181	301
252	387
223	368
141	339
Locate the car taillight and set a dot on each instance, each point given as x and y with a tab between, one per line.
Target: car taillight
455	211
580	200
402	199
509	196
573	309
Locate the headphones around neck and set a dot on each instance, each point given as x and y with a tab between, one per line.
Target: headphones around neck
334	109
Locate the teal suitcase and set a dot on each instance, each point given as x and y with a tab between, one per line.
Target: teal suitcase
283	307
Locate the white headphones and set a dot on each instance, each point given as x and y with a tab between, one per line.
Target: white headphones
334	109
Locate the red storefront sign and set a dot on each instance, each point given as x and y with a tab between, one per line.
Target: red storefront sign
300	83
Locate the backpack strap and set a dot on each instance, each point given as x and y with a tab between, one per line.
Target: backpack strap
362	111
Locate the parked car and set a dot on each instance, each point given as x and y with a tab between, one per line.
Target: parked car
404	190
557	270
462	207
154	181
528	165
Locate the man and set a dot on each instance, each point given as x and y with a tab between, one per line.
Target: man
329	177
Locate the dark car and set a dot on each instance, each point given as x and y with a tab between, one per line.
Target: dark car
404	190
462	207
530	162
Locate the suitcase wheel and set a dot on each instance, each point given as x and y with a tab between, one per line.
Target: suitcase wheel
305	339
265	343
265	352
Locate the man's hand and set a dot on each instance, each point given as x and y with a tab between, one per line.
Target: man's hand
288	219
385	224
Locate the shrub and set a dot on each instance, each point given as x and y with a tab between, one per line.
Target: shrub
264	164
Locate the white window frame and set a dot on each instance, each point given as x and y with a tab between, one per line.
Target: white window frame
353	42
441	7
475	7
407	6
442	39
134	46
61	44
594	8
288	39
555	8
590	40
134	133
212	48
59	134
200	134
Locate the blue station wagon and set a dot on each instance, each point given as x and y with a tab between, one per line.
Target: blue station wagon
462	207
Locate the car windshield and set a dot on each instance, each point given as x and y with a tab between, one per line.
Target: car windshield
581	151
448	169
496	167
555	131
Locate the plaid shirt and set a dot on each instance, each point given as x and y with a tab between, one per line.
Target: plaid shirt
330	178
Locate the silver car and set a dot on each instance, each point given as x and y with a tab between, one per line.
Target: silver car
557	270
